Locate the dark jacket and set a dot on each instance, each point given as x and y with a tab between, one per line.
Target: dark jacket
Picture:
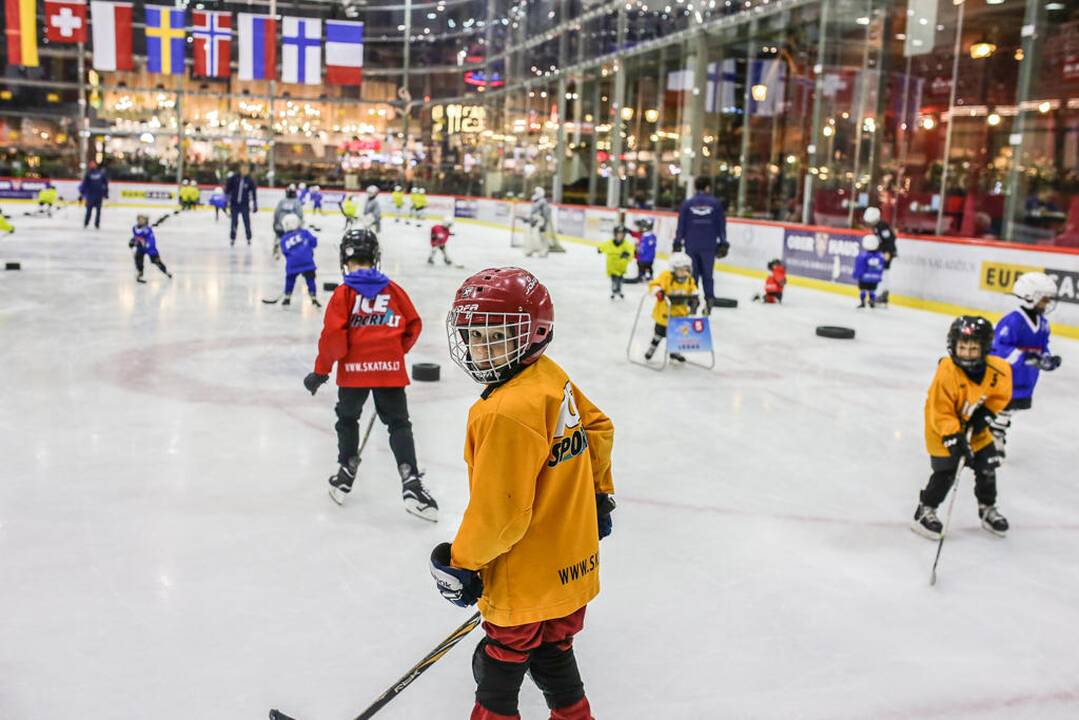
94	186
701	223
241	192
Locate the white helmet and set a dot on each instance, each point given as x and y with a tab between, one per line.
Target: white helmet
303	186
185	181
870	243
871	216
397	188
372	190
1033	287
423	191
448	220
680	260
538	193
315	188
291	222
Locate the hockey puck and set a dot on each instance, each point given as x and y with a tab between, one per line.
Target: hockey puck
329	286
13	266
724	303
835	332
426	372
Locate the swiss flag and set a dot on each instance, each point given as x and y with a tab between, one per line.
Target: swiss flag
65	21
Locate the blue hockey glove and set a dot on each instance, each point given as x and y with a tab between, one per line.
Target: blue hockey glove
314	381
604	505
460	587
1049	362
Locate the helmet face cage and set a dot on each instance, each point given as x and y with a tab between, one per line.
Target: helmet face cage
499	339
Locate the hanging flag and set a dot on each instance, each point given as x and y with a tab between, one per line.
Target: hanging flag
112	35
344	52
212	32
21	32
301	51
258	47
165	40
65	21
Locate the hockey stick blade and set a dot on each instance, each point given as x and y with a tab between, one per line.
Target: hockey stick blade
419	668
271	301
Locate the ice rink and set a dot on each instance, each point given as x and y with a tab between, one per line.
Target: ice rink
168	549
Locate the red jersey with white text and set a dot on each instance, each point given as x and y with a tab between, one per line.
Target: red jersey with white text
367	334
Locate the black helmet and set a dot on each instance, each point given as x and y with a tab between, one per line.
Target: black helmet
360	244
970	327
773	264
644	224
619	229
290	191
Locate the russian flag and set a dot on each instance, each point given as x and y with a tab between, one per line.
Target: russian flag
21	32
258	46
111	31
344	52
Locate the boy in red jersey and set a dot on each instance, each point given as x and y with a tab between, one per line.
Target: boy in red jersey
370	324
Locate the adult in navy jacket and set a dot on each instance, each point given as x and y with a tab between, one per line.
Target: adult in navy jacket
93	189
241	192
702	234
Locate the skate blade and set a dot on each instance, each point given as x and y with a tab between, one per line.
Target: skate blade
992	531
337	496
430	514
917	528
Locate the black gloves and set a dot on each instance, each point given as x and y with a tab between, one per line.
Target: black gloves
604	505
314	381
958	447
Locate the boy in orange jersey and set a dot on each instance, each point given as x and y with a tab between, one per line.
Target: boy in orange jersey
968	390
539	466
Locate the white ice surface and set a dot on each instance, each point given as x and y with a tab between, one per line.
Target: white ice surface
168	550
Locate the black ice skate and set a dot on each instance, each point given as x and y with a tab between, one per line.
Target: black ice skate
418	501
992	520
882	299
861	304
650	351
678	356
286	302
139	278
315	302
926	523
341	483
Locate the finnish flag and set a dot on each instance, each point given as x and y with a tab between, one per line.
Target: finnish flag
301	51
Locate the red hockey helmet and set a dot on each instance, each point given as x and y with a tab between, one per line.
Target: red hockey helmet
501	319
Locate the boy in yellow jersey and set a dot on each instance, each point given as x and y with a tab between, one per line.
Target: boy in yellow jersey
677	286
969	389
618	253
47	197
398	197
539	470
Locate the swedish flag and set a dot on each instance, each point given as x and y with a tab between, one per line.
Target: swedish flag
165	40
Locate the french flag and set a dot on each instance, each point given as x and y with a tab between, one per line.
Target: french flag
344	52
258	47
111	28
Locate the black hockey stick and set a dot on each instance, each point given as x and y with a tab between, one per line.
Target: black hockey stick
164	217
418	669
951	501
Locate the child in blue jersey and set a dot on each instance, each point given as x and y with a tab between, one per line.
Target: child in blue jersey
1022	338
298	246
316	198
144	242
869	270
646	247
220	202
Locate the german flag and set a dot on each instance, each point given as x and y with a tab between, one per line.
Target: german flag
21	32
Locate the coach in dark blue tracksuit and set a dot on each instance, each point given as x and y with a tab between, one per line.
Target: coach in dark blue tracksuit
702	233
93	189
240	190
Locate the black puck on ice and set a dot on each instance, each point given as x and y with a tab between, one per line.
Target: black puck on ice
724	303
835	332
13	266
329	286
426	372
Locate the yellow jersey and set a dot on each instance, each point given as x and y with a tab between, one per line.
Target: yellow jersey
953	396
672	287
618	256
398	199
537	452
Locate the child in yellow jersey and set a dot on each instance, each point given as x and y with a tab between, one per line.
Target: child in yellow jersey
676	295
969	388
398	197
618	253
539	472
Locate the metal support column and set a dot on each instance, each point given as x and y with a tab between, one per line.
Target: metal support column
560	143
84	124
657	146
271	172
813	151
951	119
614	180
747	116
179	131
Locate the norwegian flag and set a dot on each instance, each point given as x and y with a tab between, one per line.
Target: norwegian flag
212	32
65	21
